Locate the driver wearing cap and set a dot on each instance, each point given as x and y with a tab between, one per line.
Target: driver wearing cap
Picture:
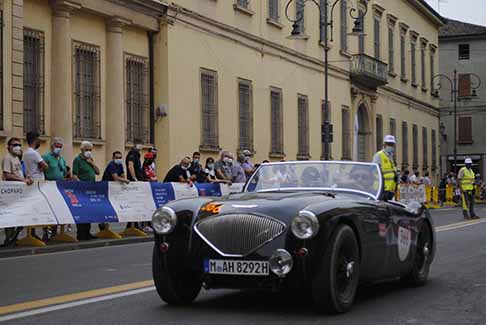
386	160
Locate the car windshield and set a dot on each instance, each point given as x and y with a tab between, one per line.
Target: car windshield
364	178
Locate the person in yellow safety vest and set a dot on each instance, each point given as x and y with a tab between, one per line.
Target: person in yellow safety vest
386	160
466	178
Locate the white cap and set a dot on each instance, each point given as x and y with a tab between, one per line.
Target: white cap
468	161
389	139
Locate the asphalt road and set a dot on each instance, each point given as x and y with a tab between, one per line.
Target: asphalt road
111	285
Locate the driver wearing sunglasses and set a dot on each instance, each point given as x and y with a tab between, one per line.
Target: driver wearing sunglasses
363	178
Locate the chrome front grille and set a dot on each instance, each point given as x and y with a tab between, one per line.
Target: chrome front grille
238	234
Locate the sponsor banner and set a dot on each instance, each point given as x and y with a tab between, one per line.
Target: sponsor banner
162	193
412	193
88	201
23	205
66	202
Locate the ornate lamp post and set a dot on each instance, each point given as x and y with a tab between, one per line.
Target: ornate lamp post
453	82
324	24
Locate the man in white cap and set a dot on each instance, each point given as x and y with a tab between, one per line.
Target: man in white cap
466	179
385	158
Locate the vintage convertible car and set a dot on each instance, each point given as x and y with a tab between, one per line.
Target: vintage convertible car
319	228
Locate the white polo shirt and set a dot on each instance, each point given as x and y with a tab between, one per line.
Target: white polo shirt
32	158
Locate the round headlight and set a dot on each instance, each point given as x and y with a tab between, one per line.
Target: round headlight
281	262
164	221
305	225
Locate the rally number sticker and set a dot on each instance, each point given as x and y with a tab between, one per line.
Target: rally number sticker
404	243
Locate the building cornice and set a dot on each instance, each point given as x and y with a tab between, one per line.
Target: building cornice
421	105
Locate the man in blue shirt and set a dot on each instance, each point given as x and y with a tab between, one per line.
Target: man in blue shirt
114	171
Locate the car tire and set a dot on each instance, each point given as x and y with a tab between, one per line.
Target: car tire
335	284
419	274
179	287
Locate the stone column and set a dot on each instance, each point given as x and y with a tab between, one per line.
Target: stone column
115	108
62	91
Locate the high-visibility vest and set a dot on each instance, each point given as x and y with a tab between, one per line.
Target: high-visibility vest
389	171
467	180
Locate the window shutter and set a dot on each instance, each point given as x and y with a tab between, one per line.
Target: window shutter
379	132
425	149
391	50
403	67
276	127
209	103
464	85
415	146
377	37
404	144
434	150
245	115
465	129
344	25
303	125
346	135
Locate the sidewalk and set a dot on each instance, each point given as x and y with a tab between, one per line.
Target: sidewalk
59	247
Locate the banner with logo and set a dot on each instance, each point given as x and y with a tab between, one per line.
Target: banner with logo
65	202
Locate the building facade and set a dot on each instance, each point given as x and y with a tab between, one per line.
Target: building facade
234	80
463	49
211	74
77	70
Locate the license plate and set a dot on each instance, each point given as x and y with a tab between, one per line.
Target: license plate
236	267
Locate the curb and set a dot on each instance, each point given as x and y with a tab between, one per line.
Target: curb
25	251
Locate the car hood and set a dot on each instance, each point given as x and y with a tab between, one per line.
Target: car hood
280	205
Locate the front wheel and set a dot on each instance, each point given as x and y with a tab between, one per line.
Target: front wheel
175	287
419	274
334	286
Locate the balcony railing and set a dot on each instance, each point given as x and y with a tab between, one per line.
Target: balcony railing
369	71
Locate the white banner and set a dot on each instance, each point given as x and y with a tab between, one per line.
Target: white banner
21	205
132	202
412	193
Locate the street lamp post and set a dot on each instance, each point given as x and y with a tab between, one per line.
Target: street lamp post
453	82
324	24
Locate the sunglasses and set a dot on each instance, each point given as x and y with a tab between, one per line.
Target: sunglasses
16	145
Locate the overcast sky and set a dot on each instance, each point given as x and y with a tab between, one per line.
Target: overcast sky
471	11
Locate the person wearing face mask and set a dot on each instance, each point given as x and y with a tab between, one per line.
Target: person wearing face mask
385	158
209	170
34	163
114	171
12	171
466	178
56	165
247	165
85	170
180	173
197	172
148	170
223	167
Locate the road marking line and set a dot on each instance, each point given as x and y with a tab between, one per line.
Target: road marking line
459	225
74	297
73	304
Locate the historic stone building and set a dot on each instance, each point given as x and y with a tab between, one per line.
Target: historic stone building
210	74
463	48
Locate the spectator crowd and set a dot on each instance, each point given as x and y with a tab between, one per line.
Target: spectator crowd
29	165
